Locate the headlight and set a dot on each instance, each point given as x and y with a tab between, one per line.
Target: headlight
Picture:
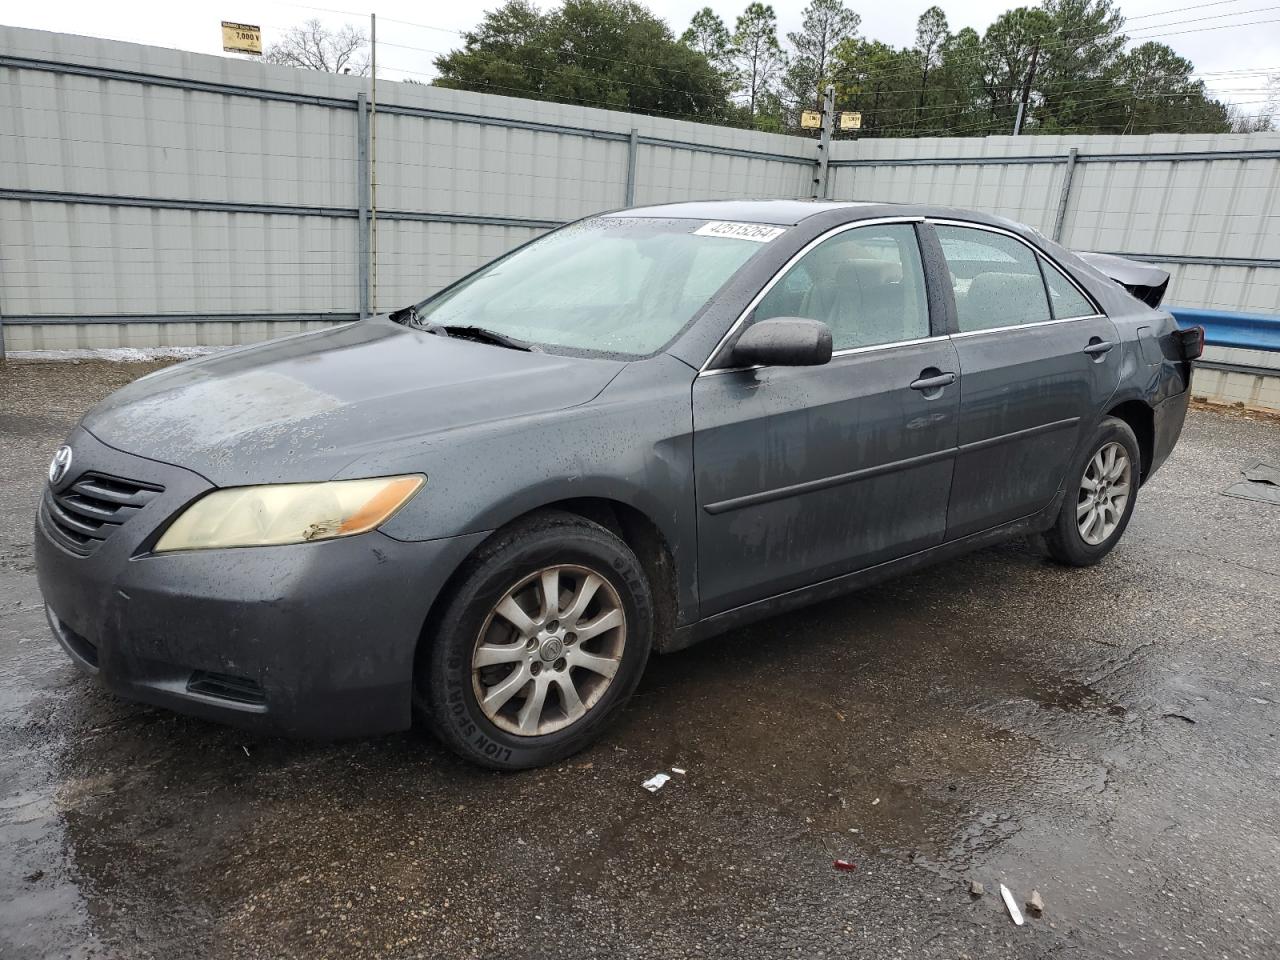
288	513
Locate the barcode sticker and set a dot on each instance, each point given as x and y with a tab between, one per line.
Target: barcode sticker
755	232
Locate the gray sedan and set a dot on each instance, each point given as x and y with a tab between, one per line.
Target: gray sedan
647	427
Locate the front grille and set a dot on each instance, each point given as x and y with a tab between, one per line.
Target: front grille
86	513
226	687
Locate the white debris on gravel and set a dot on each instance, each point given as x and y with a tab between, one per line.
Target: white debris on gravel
1011	905
115	354
656	782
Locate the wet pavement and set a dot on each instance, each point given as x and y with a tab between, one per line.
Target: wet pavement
1106	736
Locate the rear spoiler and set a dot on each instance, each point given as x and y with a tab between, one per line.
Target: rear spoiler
1144	281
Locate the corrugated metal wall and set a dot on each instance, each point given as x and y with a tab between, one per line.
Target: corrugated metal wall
154	197
1187	202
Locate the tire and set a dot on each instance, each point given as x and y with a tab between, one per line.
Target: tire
476	651
1065	541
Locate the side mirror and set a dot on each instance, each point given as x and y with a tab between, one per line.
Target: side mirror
783	342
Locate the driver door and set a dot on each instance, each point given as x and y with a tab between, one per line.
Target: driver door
807	473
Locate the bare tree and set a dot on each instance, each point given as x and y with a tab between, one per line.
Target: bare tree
314	47
1263	121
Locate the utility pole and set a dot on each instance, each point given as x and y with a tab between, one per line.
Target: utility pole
824	143
1026	88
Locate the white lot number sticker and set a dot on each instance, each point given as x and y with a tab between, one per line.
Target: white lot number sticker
755	232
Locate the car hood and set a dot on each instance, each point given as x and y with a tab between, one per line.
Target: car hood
303	407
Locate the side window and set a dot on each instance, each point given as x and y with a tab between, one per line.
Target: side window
866	284
1065	300
996	279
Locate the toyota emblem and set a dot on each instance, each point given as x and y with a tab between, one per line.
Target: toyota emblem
59	465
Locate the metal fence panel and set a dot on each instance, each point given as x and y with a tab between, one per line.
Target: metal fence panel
416	259
154	195
100	260
1205	207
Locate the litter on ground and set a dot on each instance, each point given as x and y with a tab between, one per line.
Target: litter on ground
1011	905
656	782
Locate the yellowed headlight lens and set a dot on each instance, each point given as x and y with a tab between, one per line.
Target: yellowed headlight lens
288	513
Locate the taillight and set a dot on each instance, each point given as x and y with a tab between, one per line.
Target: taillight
1192	342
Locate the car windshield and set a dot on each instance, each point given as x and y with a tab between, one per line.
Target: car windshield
615	285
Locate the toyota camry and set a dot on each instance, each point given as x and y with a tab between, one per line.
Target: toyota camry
486	509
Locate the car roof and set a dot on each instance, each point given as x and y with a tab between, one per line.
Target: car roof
777	212
787	213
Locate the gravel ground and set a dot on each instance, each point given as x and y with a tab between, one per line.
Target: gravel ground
1106	737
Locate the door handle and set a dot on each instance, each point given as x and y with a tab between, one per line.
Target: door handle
934	383
1098	348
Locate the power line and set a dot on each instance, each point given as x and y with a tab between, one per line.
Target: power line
561	71
1194	6
1223	26
1216	16
555	71
988	122
1058	42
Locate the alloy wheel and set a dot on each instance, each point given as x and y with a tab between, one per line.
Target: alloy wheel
1104	493
548	650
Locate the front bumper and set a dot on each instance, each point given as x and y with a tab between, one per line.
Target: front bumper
308	640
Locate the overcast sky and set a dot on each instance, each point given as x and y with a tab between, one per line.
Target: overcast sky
1234	61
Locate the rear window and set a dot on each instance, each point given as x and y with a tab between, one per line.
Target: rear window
1065	300
995	278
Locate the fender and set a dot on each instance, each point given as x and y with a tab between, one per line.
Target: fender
634	449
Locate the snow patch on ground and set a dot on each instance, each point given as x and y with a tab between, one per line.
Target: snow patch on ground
115	354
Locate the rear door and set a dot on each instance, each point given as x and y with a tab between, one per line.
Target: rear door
1038	362
806	473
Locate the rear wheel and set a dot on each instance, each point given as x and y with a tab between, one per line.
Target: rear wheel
543	639
1100	499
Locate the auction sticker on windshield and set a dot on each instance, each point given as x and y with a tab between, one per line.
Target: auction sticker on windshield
756	232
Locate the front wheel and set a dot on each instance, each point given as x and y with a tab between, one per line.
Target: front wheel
1101	493
543	639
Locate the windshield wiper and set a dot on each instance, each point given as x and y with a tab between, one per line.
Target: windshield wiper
481	335
408	317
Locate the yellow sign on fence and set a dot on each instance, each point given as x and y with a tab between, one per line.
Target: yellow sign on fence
811	119
241	38
850	120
